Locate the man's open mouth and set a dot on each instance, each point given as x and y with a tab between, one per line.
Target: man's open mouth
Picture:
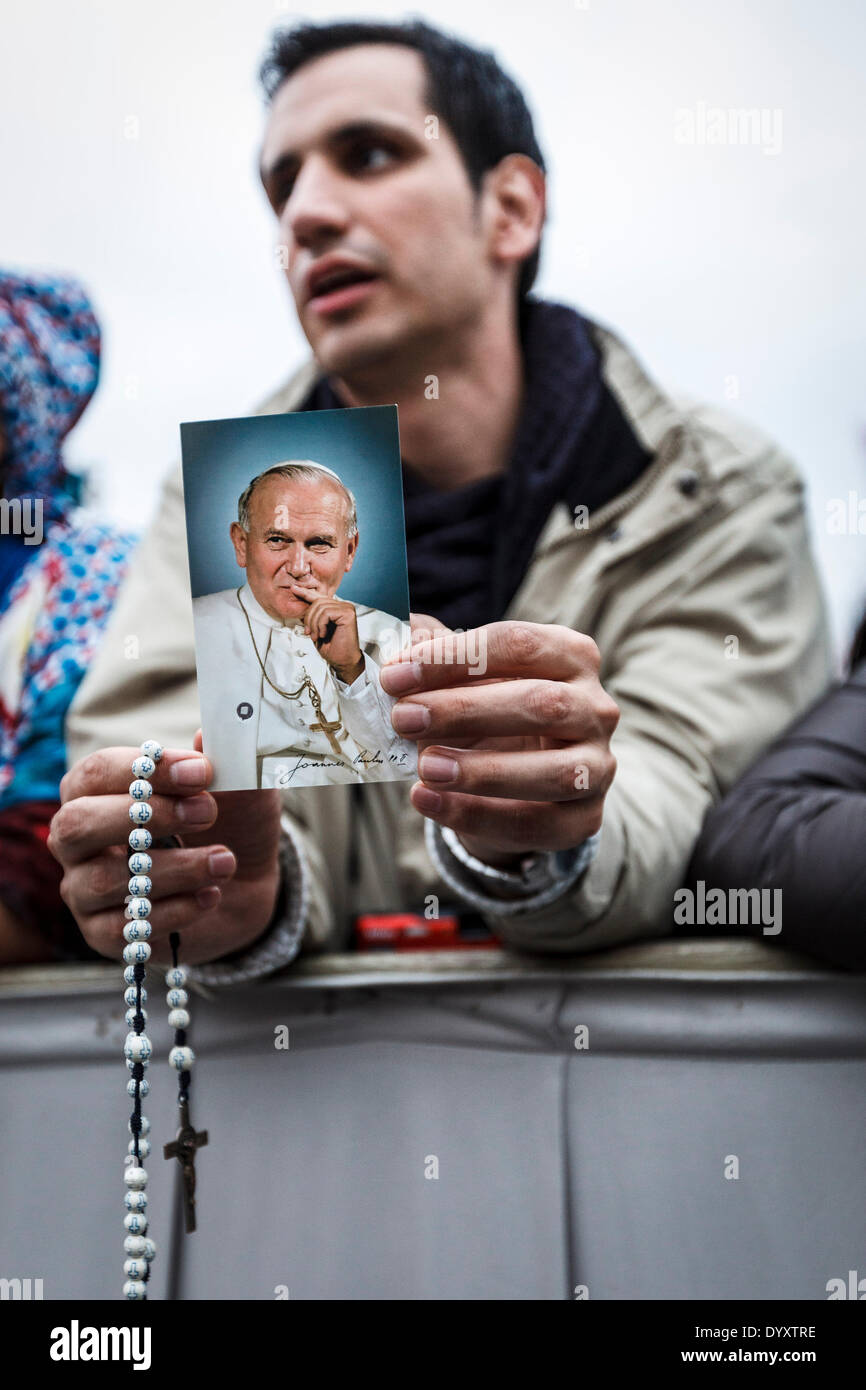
340	287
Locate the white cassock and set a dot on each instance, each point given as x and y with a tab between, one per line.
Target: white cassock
256	737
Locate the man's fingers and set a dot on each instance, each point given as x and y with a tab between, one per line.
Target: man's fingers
570	710
182	913
103	882
515	826
179	772
556	774
84	826
495	651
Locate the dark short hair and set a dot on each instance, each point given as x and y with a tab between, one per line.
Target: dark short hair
481	105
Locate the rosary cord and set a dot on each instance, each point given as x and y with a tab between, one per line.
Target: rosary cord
138	1248
184	1077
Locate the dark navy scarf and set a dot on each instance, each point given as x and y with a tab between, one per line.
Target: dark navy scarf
469	549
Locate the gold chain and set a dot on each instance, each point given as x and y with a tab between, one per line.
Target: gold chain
306	684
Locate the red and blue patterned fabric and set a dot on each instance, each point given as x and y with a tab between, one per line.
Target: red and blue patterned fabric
55	597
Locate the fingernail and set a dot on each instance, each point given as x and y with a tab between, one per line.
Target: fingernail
435	768
221	863
188	773
410	719
402	676
195	810
208	897
426	801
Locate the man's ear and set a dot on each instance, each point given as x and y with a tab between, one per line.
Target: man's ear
351	552
518	189
239	541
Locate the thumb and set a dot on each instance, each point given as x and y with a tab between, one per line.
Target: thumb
197	743
424	626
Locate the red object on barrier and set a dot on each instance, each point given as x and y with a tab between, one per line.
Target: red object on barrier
409	931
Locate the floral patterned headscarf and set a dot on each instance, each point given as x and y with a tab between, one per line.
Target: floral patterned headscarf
55	597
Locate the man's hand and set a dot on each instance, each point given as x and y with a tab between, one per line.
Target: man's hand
343	650
520	759
219	894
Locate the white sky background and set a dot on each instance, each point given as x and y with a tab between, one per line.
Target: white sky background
715	262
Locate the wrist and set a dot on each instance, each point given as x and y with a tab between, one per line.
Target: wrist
540	879
349	674
496	858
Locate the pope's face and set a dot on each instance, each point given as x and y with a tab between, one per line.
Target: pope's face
296	537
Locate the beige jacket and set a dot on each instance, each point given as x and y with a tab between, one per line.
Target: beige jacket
699	587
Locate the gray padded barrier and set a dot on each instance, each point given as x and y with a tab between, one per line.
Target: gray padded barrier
434	1132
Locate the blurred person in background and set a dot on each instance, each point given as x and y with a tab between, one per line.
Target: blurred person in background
796	822
58	579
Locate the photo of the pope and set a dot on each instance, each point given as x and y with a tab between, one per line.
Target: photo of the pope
288	670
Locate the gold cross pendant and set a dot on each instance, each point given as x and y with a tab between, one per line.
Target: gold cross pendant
328	727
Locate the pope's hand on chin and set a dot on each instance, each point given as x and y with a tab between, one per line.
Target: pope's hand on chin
302	592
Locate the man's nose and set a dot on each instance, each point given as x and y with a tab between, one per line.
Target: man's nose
315	213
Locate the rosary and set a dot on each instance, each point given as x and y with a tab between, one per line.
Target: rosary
138	1247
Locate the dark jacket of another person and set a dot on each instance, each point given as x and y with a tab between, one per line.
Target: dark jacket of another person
797	821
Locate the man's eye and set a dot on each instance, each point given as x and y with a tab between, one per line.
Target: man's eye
368	159
281	193
276	541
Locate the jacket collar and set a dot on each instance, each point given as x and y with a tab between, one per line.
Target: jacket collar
676	488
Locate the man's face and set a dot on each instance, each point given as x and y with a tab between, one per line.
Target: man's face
361	193
297	534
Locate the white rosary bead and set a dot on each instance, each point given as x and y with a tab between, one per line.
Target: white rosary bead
135	1269
178	1018
135	1201
140	886
144	1084
135	1246
151	749
140	789
135	1222
137	1047
140	839
143	1147
132	1015
136	953
150	1250
138	908
137	930
129	975
145	1125
177	975
140	812
143	766
130	997
140	864
181	1058
136	1178
177	999
134	1290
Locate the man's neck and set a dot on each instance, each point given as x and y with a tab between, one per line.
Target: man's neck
458	417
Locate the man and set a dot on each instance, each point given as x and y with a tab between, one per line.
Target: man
288	673
605	542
